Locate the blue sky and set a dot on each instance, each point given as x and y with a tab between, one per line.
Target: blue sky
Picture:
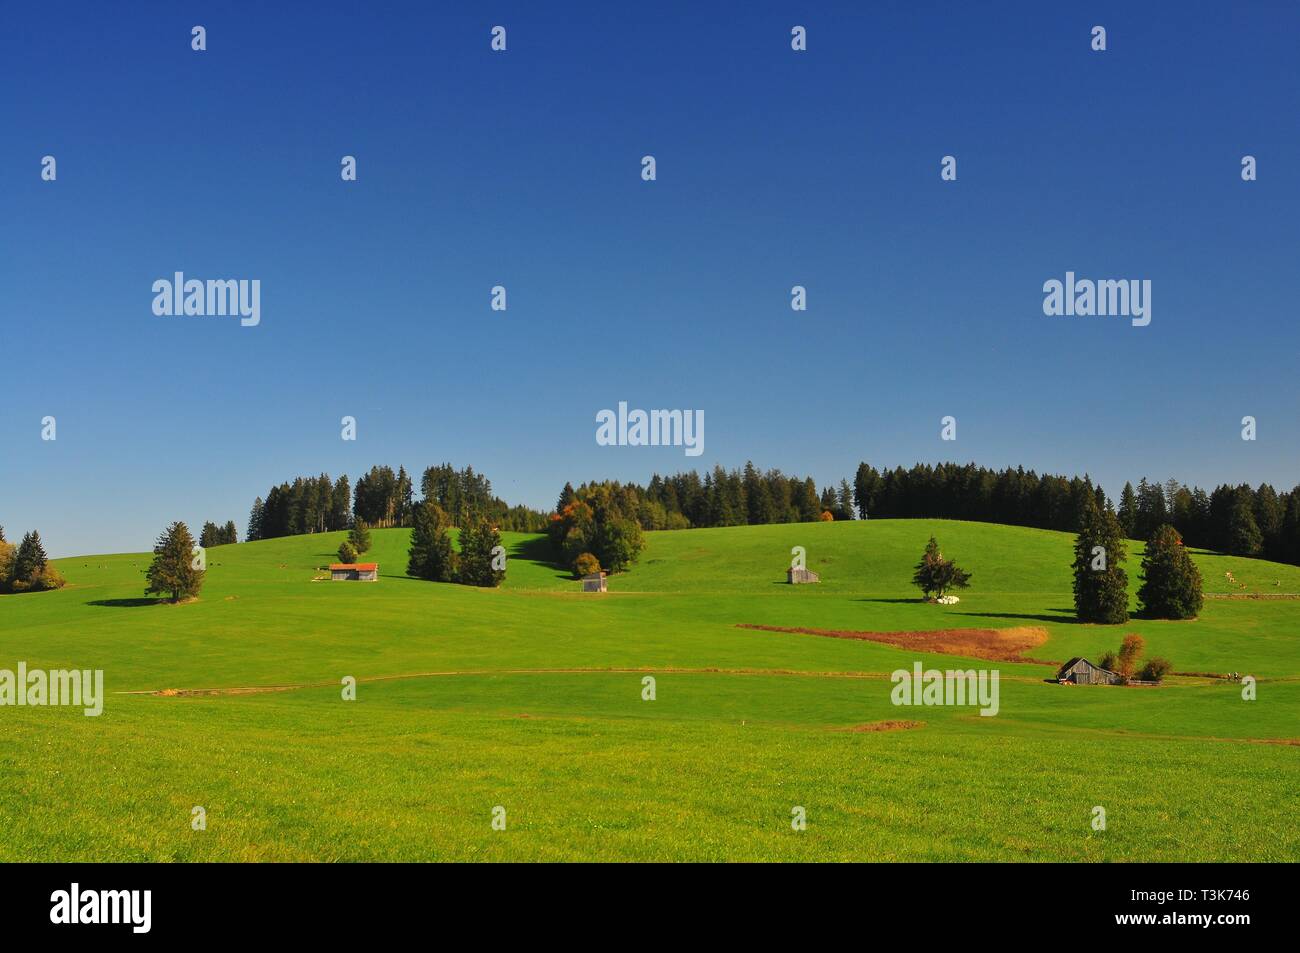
775	168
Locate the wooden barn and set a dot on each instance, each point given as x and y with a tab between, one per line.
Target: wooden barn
594	582
356	572
796	577
1079	671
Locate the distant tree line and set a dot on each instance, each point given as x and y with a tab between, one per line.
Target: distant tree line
1017	497
307	505
1232	519
25	567
382	499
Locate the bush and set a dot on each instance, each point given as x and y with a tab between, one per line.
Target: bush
47	579
1130	651
1108	661
347	552
828	516
1155	669
585	565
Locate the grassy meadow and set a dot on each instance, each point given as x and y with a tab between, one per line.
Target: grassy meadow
529	697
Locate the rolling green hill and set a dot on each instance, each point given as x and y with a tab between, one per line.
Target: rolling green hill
529	697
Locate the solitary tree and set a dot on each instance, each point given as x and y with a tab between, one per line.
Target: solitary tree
175	568
937	575
1171	583
347	553
431	555
1100	582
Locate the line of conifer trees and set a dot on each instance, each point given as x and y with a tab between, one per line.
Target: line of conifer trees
1233	519
214	535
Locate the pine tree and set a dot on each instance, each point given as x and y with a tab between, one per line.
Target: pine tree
1171	583
229	534
209	535
172	570
1100	582
431	554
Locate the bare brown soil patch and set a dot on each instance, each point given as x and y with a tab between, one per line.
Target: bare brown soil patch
881	726
998	645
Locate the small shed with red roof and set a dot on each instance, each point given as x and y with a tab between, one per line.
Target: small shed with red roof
357	572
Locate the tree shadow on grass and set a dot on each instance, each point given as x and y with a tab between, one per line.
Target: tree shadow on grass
538	549
1067	618
125	603
898	602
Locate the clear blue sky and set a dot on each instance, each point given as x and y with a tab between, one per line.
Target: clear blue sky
775	168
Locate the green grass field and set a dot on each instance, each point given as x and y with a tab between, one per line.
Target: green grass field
530	697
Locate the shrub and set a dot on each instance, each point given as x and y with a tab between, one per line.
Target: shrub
1130	651
47	579
828	516
585	565
347	552
1109	660
1155	669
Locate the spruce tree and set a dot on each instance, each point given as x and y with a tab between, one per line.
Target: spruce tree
359	536
431	554
477	540
937	575
1128	512
1244	537
172	571
255	521
30	561
1100	582
1171	583
230	534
